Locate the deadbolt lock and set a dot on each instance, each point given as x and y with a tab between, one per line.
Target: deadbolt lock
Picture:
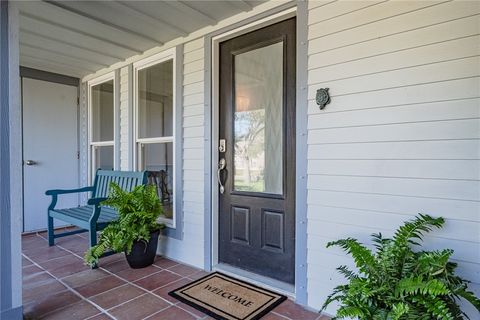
222	146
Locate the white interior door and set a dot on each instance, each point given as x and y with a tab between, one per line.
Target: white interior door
50	145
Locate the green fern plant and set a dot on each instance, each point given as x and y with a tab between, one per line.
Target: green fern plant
138	212
396	282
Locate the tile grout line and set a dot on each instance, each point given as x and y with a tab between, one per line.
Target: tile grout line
134	284
146	291
51	259
129	300
65	284
69	289
152	291
156	312
154	265
281	315
97	294
107	311
94	316
141	278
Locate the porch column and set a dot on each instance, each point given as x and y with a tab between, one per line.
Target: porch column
10	165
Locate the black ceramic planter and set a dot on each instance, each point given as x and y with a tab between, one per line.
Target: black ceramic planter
143	254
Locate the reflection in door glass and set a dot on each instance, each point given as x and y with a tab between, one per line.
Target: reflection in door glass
258	125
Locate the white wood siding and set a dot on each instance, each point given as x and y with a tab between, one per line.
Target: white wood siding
190	249
126	130
83	136
401	134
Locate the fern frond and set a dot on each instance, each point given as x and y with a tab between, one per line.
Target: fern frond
470	297
396	282
350	312
334	296
138	212
438	308
347	273
363	257
414	229
416	285
399	310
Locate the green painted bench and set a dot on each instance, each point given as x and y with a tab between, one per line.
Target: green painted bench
93	217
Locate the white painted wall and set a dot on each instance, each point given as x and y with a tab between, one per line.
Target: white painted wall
401	135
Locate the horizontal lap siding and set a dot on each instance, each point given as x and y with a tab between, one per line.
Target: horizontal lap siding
190	248
83	123
402	133
125	106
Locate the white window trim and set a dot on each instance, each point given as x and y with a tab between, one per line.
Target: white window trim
116	124
163	56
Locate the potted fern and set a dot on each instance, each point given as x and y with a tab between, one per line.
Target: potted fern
397	282
136	230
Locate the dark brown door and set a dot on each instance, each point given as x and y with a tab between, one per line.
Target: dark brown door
257	165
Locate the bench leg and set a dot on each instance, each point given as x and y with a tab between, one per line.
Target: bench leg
93	240
51	237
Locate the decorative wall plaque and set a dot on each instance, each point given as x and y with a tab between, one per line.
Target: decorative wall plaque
322	98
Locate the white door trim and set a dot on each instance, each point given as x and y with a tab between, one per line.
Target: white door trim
215	42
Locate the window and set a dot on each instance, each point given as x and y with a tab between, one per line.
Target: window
155	126
102	124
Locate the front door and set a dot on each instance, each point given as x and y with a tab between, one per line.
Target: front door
49	148
257	152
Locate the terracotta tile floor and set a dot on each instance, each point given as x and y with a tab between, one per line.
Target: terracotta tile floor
57	285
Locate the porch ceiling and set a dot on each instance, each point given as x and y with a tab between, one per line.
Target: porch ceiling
77	38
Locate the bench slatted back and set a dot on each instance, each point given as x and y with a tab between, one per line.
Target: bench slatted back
127	180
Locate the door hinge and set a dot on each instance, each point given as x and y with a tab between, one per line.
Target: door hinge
78	155
78	101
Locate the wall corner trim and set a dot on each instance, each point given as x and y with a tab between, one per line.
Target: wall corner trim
301	294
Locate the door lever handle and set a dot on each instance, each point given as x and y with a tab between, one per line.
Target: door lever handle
221	166
30	162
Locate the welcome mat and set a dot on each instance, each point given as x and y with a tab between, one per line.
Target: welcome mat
226	298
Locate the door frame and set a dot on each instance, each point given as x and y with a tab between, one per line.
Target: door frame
212	135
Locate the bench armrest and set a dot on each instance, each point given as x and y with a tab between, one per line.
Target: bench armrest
96	201
55	192
65	191
96	210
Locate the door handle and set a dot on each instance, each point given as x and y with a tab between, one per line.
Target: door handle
30	162
221	166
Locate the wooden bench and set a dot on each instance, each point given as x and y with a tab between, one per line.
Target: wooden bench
93	217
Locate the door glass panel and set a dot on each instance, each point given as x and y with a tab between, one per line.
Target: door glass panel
258	125
102	112
103	157
157	158
155	101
